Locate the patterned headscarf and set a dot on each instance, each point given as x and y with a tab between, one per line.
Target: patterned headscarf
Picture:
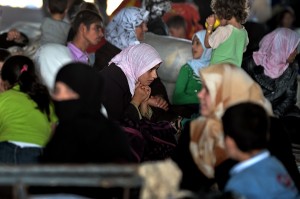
121	30
157	8
135	60
203	61
274	50
227	85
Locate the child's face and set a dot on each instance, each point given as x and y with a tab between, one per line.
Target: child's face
177	32
197	49
94	34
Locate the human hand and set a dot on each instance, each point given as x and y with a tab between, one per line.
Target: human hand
210	20
158	101
14	35
141	94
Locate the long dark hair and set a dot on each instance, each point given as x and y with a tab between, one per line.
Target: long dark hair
20	70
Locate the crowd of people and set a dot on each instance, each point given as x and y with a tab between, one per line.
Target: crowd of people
92	94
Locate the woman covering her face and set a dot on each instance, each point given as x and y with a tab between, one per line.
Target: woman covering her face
83	134
274	68
201	152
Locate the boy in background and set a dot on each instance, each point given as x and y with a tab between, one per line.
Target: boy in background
177	26
258	174
54	29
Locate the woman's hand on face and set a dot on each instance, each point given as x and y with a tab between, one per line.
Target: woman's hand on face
141	94
159	102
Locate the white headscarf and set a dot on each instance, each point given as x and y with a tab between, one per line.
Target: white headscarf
121	30
135	60
203	61
50	58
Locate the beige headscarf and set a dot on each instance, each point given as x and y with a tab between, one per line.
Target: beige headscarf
227	85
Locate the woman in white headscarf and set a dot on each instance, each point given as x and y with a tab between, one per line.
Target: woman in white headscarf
127	81
127	96
50	58
125	29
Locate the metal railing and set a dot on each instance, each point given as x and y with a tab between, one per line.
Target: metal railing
105	176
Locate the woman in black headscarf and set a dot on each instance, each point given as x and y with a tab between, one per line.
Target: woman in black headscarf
84	134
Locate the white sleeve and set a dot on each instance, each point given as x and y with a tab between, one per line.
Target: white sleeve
219	36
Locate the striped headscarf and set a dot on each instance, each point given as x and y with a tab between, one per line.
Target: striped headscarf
274	50
135	60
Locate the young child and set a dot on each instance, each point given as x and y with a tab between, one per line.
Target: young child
188	81
54	29
230	39
258	175
177	26
88	30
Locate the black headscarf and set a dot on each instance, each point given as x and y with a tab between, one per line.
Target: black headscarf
88	84
83	134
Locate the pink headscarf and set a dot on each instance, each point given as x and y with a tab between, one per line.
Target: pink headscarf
135	60
274	50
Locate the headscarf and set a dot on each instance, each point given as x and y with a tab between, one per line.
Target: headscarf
274	50
121	30
227	85
83	134
88	84
50	58
157	8
135	60
203	61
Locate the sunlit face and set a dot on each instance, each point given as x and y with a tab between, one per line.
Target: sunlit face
292	57
63	92
197	48
140	31
148	77
205	101
94	34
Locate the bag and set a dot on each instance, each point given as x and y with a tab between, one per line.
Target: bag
150	140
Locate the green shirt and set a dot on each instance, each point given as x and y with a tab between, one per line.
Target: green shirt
20	120
187	87
232	49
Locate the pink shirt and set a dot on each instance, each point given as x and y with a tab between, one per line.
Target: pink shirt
77	54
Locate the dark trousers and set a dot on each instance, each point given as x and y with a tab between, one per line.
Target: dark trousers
13	154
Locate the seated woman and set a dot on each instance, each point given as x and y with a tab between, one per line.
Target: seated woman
125	29
200	152
188	83
83	134
128	79
25	115
128	94
128	28
274	68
